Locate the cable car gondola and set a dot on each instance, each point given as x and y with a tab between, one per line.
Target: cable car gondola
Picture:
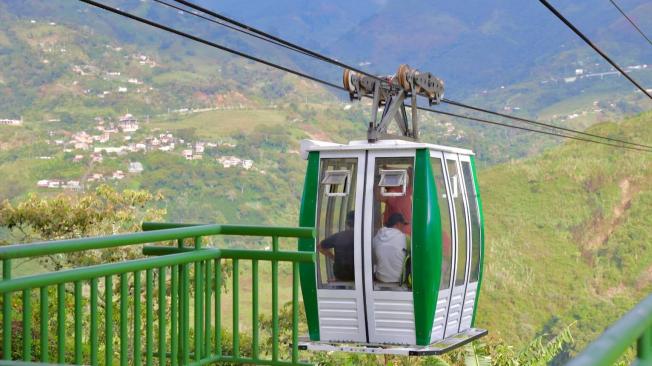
399	233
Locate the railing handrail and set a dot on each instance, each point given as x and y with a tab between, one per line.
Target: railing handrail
613	343
180	231
101	270
246	254
242	230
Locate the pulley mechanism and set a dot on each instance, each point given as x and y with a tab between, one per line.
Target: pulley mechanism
390	93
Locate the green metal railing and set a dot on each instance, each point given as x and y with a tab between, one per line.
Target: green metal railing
633	327
139	311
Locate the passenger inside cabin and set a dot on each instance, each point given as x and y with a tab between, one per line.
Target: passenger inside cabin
390	248
340	248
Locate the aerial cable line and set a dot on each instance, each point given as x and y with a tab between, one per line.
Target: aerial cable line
533	122
482	120
234	28
272	37
294	47
631	22
208	43
320	81
598	50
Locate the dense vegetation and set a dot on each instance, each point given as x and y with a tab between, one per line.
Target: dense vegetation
568	227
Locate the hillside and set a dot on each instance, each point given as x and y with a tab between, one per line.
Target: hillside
568	226
569	238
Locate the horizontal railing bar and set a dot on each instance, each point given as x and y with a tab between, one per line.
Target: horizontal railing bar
623	334
242	230
101	270
23	363
246	254
104	242
245	361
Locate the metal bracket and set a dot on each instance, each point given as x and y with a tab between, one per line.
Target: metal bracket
390	93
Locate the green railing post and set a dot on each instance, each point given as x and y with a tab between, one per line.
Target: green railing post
198	311
207	309
162	350
218	307
137	321
174	315
295	312
94	324
275	331
236	307
124	335
108	320
61	323
27	325
149	317
78	322
6	312
44	318
254	310
644	347
185	337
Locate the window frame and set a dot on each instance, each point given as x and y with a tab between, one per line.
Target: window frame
347	182
404	182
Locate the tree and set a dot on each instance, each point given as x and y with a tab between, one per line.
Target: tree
104	211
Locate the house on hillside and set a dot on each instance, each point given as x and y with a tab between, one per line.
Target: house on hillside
128	123
232	161
135	167
97	157
72	185
118	174
11	122
120	150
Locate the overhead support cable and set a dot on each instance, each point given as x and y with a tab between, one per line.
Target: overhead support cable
598	50
482	120
274	38
234	28
533	122
332	85
206	42
631	21
294	47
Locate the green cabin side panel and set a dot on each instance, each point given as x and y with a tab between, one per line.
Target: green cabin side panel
477	192
307	218
426	247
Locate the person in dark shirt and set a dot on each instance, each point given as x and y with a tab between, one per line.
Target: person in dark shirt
342	244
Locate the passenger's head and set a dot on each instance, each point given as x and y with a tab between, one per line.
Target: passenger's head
350	219
396	220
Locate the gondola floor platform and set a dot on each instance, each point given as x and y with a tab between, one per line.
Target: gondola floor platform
438	348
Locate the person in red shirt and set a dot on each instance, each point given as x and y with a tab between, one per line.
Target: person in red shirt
399	204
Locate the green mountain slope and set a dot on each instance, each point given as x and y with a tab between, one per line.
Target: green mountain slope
569	237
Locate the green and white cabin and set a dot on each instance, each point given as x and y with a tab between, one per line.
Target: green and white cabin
436	189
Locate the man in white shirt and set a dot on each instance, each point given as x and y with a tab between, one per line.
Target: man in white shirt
390	249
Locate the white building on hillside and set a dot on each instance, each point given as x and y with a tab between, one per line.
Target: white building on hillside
135	167
128	123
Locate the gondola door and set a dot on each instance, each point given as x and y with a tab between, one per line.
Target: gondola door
444	202
340	299
475	243
460	245
387	232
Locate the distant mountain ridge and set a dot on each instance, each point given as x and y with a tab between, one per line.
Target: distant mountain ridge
473	43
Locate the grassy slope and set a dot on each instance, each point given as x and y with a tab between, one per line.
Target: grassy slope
222	122
568	237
